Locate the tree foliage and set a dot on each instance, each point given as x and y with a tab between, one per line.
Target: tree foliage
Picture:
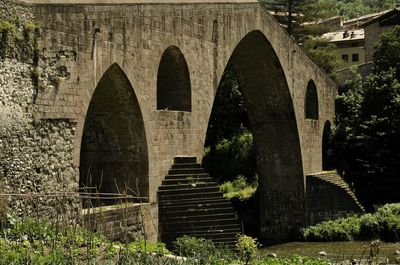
323	53
294	14
367	136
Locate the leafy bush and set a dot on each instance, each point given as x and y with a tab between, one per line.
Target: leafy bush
383	224
247	247
147	247
202	250
231	158
343	229
238	188
370	226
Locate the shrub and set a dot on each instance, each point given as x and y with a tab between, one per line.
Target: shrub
202	250
383	224
344	229
238	188
370	227
247	248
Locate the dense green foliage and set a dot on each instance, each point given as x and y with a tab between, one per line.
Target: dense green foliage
18	41
247	248
239	188
232	157
296	15
367	137
383	224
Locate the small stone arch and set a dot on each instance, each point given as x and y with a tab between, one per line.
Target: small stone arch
173	82
311	102
113	154
326	147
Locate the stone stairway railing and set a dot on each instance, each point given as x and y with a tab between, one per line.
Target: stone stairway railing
190	203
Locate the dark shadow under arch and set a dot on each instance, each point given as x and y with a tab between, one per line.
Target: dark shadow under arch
173	82
273	124
311	102
114	156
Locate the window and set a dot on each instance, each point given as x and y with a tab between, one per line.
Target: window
355	57
345	58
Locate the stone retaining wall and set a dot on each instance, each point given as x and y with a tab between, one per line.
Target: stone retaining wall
123	222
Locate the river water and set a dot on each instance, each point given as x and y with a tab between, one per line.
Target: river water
335	251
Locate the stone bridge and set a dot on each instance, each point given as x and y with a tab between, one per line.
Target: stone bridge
137	79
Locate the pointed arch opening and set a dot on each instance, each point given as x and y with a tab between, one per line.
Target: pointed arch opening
114	158
311	102
173	82
272	122
326	147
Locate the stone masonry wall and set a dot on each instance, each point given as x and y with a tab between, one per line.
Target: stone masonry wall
124	222
36	166
326	201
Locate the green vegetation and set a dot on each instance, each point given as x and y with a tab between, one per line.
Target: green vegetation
18	41
366	139
203	251
38	242
239	188
383	224
323	53
231	158
296	260
247	248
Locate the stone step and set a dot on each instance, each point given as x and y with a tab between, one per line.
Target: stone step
194	185
185	159
188	177
186	165
198	211
187	171
204	217
191	190
190	196
182	224
333	178
199	180
207	229
197	205
211	235
192	201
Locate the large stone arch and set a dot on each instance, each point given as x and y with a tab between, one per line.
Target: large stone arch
273	124
113	153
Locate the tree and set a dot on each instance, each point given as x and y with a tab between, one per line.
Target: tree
292	13
387	52
367	137
323	53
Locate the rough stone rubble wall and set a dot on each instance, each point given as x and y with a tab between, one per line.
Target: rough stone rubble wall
35	154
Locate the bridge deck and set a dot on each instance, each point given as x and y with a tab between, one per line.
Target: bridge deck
133	2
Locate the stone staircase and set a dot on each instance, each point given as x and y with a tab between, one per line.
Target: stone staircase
190	203
329	197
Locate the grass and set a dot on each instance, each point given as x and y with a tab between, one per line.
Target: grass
30	241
